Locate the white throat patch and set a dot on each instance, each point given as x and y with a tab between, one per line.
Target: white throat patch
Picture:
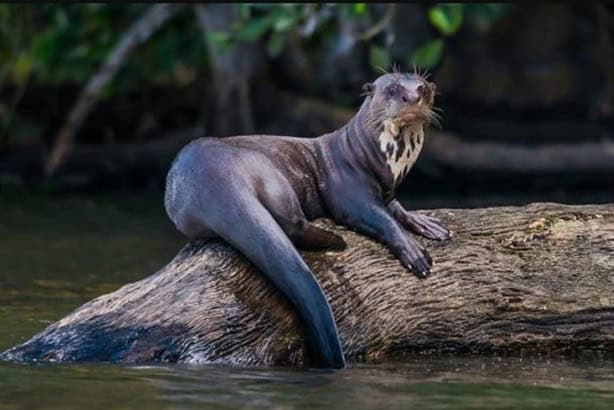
401	147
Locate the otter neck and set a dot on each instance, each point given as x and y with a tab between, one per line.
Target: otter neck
400	147
386	154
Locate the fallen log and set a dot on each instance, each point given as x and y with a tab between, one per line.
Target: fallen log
449	150
88	163
513	280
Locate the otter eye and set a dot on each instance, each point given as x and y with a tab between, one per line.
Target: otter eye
393	89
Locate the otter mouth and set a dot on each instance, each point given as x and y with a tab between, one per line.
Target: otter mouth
414	116
402	120
408	117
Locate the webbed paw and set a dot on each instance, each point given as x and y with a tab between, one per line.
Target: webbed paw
417	259
427	226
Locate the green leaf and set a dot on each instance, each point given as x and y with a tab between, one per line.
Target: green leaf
244	10
61	19
359	8
22	67
218	37
283	22
254	28
78	52
447	18
379	57
483	16
428	54
276	44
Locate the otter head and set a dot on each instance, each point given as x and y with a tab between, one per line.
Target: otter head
401	99
398	105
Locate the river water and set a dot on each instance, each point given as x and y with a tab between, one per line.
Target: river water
57	253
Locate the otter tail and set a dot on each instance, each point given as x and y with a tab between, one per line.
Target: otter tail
248	226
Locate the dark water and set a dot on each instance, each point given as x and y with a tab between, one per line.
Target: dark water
57	253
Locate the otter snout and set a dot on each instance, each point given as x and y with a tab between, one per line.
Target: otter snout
419	94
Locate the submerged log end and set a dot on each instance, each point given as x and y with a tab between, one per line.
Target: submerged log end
513	280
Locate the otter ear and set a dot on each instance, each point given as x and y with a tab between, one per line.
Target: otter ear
368	88
432	87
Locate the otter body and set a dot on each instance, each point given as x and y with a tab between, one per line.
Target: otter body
260	192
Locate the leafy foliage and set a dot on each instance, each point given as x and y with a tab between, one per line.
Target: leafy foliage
429	54
448	19
63	43
379	58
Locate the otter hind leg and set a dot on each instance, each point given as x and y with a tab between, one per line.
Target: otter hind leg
306	235
281	201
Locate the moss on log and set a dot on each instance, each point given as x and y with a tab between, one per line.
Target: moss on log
514	280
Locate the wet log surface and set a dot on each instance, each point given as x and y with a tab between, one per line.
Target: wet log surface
535	280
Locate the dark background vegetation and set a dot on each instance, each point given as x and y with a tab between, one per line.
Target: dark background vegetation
527	90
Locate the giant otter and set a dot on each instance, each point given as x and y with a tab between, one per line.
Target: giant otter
260	192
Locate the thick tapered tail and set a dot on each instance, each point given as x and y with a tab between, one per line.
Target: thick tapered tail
249	227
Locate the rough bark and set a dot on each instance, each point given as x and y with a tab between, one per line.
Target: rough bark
513	280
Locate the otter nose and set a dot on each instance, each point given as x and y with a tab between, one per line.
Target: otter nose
410	98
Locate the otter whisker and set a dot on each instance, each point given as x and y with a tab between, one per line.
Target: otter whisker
433	118
378	110
424	74
396	71
375	122
434	113
395	68
376	114
437	109
381	69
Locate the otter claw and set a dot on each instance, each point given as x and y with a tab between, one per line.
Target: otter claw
422	270
422	274
417	260
427	256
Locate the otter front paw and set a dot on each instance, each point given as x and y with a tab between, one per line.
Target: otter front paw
427	226
417	259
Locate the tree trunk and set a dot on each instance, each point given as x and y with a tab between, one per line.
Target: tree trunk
231	71
448	149
513	280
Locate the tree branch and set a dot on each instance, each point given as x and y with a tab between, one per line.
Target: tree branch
450	150
139	32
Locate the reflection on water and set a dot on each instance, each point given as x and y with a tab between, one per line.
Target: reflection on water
425	383
57	254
